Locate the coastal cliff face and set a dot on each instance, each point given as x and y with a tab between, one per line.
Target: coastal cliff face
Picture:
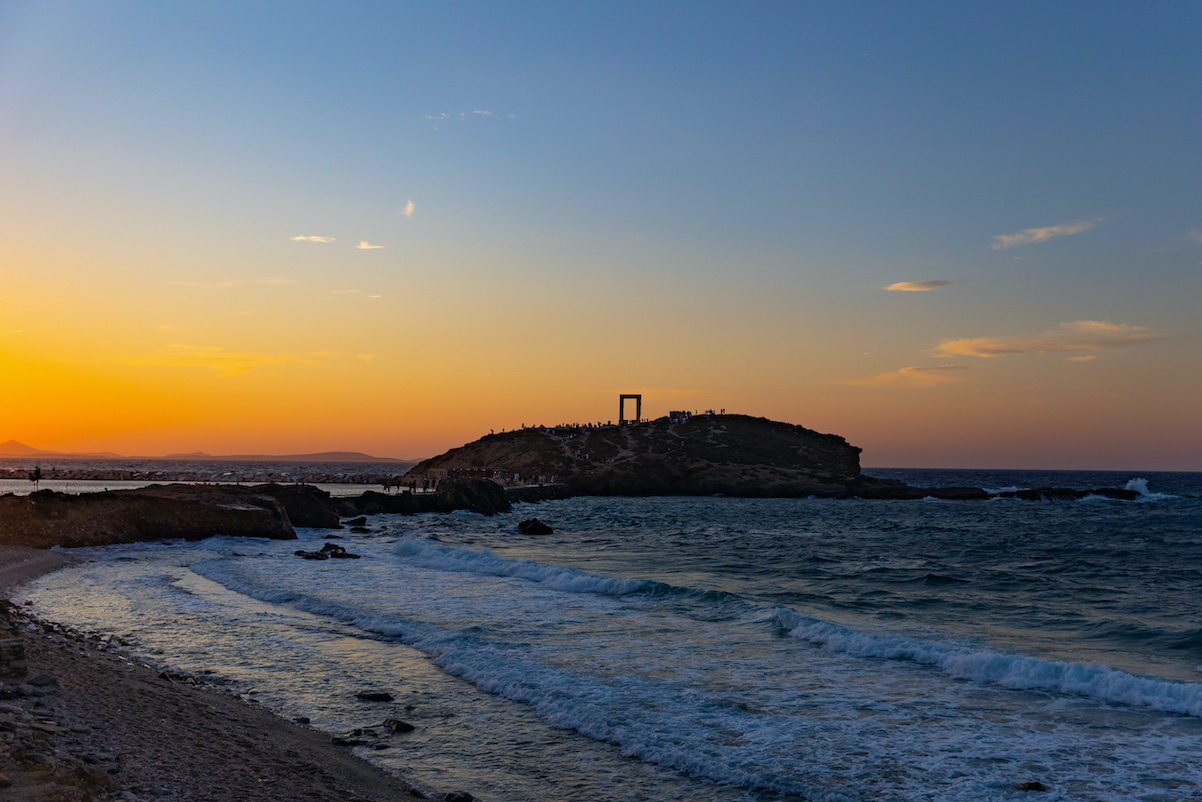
735	455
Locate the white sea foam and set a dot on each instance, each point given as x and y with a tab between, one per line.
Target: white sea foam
1141	486
633	714
429	554
978	665
1006	670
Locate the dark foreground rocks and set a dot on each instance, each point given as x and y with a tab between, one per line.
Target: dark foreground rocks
329	551
193	512
535	527
46	518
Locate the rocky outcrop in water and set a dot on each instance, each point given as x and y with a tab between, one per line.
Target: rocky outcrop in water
1068	494
702	455
475	495
194	512
46	518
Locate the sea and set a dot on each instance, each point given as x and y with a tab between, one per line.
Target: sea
713	648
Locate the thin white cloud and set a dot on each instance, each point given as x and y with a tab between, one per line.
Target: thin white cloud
919	376
364	245
312	239
408	210
1030	235
1079	335
463	115
1195	235
919	286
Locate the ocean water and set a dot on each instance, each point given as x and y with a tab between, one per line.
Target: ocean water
716	648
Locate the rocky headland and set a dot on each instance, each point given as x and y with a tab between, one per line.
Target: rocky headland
193	512
699	455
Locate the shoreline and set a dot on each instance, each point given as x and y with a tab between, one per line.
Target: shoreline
82	720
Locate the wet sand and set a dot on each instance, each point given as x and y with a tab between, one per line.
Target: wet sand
85	721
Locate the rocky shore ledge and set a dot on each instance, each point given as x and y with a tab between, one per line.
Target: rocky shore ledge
193	512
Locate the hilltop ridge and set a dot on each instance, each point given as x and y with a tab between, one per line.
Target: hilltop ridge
735	455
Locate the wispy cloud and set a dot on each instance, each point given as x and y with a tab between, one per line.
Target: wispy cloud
364	245
919	286
365	357
463	115
312	239
920	376
1089	358
1079	335
1194	235
354	292
408	210
1030	235
232	282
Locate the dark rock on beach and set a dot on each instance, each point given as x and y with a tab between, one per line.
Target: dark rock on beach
311	555
372	502
475	495
307	506
329	551
534	527
396	725
374	696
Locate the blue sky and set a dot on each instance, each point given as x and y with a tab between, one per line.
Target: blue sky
700	200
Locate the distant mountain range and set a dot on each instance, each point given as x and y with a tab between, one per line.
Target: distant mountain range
12	448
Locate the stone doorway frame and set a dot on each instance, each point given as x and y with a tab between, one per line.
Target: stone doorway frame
638	407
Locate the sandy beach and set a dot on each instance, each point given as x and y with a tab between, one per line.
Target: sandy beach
80	720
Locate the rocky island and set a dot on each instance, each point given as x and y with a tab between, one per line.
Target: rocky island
689	455
685	455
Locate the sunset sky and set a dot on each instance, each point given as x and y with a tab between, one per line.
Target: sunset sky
957	234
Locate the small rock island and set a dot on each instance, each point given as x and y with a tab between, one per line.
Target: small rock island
681	455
